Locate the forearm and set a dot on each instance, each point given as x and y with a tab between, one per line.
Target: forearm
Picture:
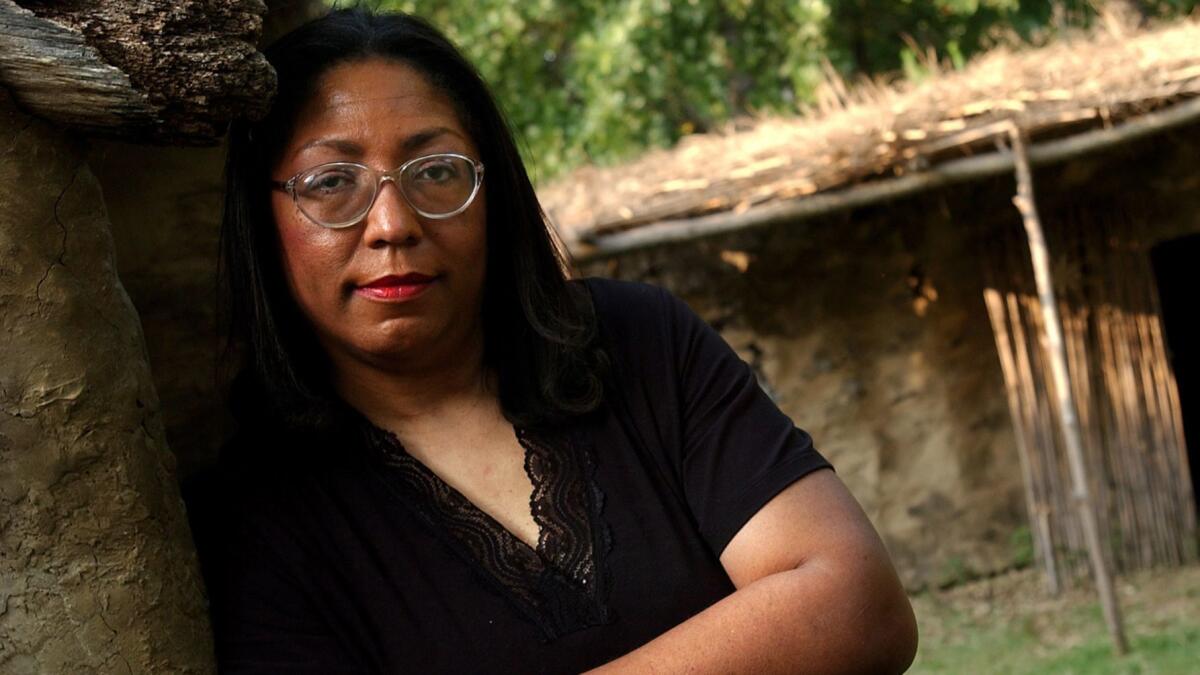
799	621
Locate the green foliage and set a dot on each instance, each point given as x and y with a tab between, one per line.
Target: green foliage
955	571
597	80
1021	547
876	36
600	80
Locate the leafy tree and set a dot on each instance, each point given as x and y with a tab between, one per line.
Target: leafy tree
597	80
878	36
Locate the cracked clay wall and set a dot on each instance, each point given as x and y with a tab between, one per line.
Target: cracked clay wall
97	571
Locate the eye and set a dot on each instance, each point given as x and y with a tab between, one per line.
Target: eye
330	181
436	171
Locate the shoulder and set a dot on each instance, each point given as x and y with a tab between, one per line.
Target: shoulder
244	483
633	322
257	497
657	345
630	308
605	289
649	322
614	298
263	471
237	503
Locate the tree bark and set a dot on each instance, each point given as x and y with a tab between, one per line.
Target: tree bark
140	70
97	569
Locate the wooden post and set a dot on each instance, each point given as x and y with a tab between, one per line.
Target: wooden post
1056	355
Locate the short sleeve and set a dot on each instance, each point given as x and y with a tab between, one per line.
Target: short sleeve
739	450
730	447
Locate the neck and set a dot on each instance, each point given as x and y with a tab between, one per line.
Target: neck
397	396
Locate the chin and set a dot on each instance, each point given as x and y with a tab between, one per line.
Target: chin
401	339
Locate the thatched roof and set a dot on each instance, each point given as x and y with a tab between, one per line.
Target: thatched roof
876	135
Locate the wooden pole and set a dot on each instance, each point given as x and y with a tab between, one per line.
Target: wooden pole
1057	356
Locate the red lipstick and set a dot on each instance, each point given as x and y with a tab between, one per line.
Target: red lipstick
396	288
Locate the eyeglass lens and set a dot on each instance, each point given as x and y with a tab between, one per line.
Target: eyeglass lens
340	194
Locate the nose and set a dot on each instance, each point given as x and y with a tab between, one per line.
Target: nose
391	221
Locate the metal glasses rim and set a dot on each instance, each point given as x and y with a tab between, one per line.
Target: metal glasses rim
289	186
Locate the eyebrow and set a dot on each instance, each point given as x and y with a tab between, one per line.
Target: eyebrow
417	140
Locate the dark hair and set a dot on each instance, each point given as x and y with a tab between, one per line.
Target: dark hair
540	333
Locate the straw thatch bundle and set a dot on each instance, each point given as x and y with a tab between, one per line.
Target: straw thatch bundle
874	133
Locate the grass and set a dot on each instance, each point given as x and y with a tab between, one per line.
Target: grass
1010	625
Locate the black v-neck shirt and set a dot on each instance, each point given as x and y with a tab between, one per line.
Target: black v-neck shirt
364	561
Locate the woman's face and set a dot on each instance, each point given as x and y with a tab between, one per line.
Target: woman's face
397	288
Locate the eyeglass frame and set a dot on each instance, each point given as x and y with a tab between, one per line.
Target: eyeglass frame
289	186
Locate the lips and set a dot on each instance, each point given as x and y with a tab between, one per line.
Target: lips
396	287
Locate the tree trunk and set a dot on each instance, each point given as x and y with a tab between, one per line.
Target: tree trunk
97	569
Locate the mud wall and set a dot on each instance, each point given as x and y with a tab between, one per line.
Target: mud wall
869	329
97	572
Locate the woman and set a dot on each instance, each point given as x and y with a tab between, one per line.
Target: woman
453	459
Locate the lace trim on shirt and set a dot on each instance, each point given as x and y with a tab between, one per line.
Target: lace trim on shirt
560	586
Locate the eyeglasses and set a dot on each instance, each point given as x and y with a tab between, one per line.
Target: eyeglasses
339	194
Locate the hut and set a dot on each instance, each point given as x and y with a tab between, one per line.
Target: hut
867	260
